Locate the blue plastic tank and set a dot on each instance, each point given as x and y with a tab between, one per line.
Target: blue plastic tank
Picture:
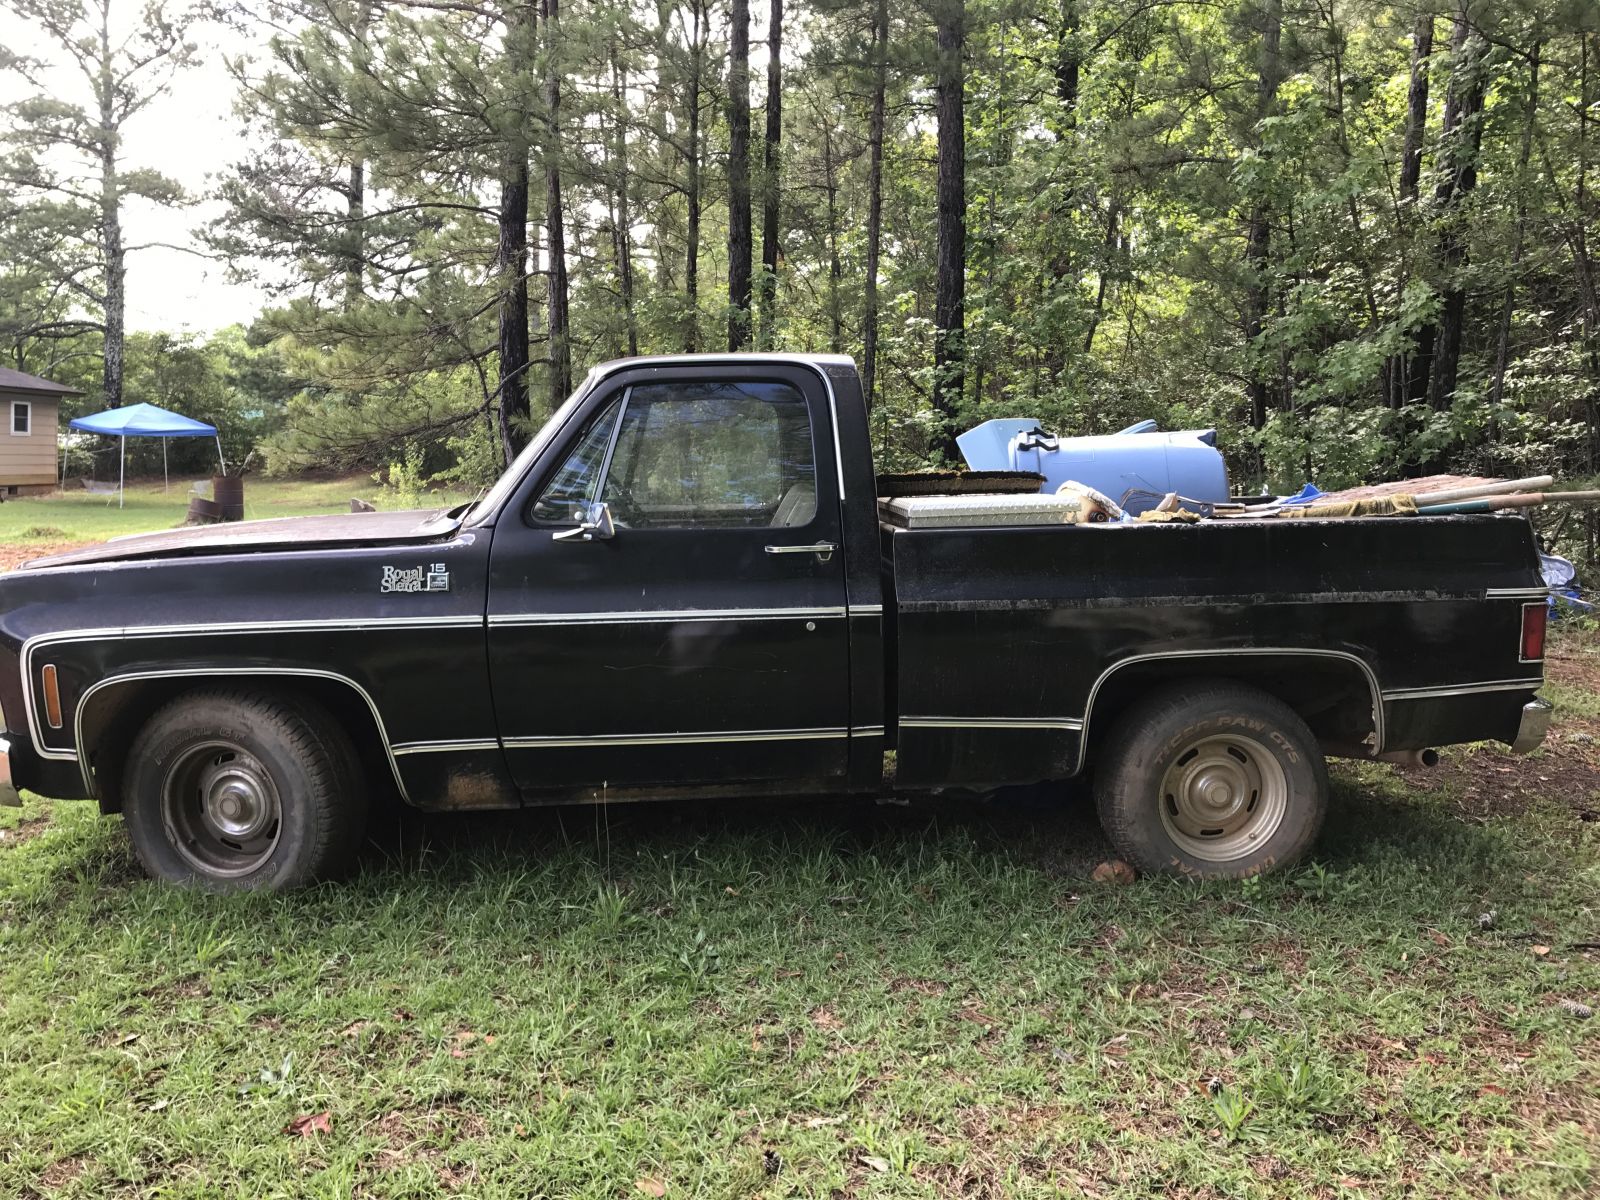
1140	458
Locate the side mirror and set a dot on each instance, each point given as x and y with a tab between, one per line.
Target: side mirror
594	526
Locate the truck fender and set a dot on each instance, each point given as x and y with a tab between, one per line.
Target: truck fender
100	702
1221	657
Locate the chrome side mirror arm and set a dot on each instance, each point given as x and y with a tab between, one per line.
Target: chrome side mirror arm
595	526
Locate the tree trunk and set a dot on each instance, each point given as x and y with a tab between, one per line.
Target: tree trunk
1068	67
1524	154
1462	138
116	268
1405	376
511	264
1583	217
555	233
880	83
830	179
356	196
1108	251
739	178
691	266
766	331
622	226
355	238
949	319
1416	109
1258	238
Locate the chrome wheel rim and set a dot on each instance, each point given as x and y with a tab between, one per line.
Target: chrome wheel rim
220	809
1223	797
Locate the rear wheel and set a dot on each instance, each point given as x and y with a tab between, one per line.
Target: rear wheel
234	791
1211	780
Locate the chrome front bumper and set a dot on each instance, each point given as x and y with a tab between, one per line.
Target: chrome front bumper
8	790
1535	724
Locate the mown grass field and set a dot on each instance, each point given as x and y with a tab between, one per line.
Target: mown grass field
825	999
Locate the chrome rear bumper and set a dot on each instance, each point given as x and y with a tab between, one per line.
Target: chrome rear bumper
1535	724
8	790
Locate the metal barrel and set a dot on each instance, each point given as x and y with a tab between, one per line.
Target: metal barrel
228	492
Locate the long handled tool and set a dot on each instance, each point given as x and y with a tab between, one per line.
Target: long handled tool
1503	487
1514	500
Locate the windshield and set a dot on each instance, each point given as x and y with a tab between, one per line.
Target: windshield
490	502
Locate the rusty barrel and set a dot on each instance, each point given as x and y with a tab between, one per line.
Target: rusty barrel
227	491
203	511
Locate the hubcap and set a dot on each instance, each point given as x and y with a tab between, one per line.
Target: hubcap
1223	797
220	809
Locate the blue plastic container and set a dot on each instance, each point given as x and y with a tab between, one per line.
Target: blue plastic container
1140	458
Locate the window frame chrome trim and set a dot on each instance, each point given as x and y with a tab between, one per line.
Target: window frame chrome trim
604	371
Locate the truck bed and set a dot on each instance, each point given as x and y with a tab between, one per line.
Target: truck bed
1013	646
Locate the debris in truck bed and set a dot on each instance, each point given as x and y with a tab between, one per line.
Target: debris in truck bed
1399	504
1413	487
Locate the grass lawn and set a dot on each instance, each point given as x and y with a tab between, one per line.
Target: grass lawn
77	516
825	999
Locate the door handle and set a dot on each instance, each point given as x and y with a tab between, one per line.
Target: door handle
823	550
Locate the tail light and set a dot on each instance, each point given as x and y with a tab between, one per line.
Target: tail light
1534	617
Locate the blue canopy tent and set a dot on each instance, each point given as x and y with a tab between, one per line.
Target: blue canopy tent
145	420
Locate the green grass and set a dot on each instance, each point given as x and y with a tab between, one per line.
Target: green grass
877	1002
78	516
1574	701
809	1000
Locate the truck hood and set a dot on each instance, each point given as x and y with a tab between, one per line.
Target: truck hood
282	533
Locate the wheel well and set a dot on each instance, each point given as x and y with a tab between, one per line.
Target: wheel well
1335	696
115	713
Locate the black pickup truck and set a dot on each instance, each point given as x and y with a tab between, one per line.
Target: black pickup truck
685	586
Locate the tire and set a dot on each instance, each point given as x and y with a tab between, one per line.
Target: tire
1211	780
239	790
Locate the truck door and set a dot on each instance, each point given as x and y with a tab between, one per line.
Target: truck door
667	594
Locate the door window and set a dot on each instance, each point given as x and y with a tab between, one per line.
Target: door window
709	455
570	492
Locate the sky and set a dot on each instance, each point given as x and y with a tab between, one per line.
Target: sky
191	135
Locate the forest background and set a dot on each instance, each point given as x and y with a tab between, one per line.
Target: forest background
1356	238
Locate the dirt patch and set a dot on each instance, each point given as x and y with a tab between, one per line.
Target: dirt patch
1489	781
1574	667
14	554
25	831
428	1137
62	1172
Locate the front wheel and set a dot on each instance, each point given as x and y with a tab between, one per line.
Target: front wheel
234	790
1212	780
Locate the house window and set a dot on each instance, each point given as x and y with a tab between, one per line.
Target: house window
21	418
